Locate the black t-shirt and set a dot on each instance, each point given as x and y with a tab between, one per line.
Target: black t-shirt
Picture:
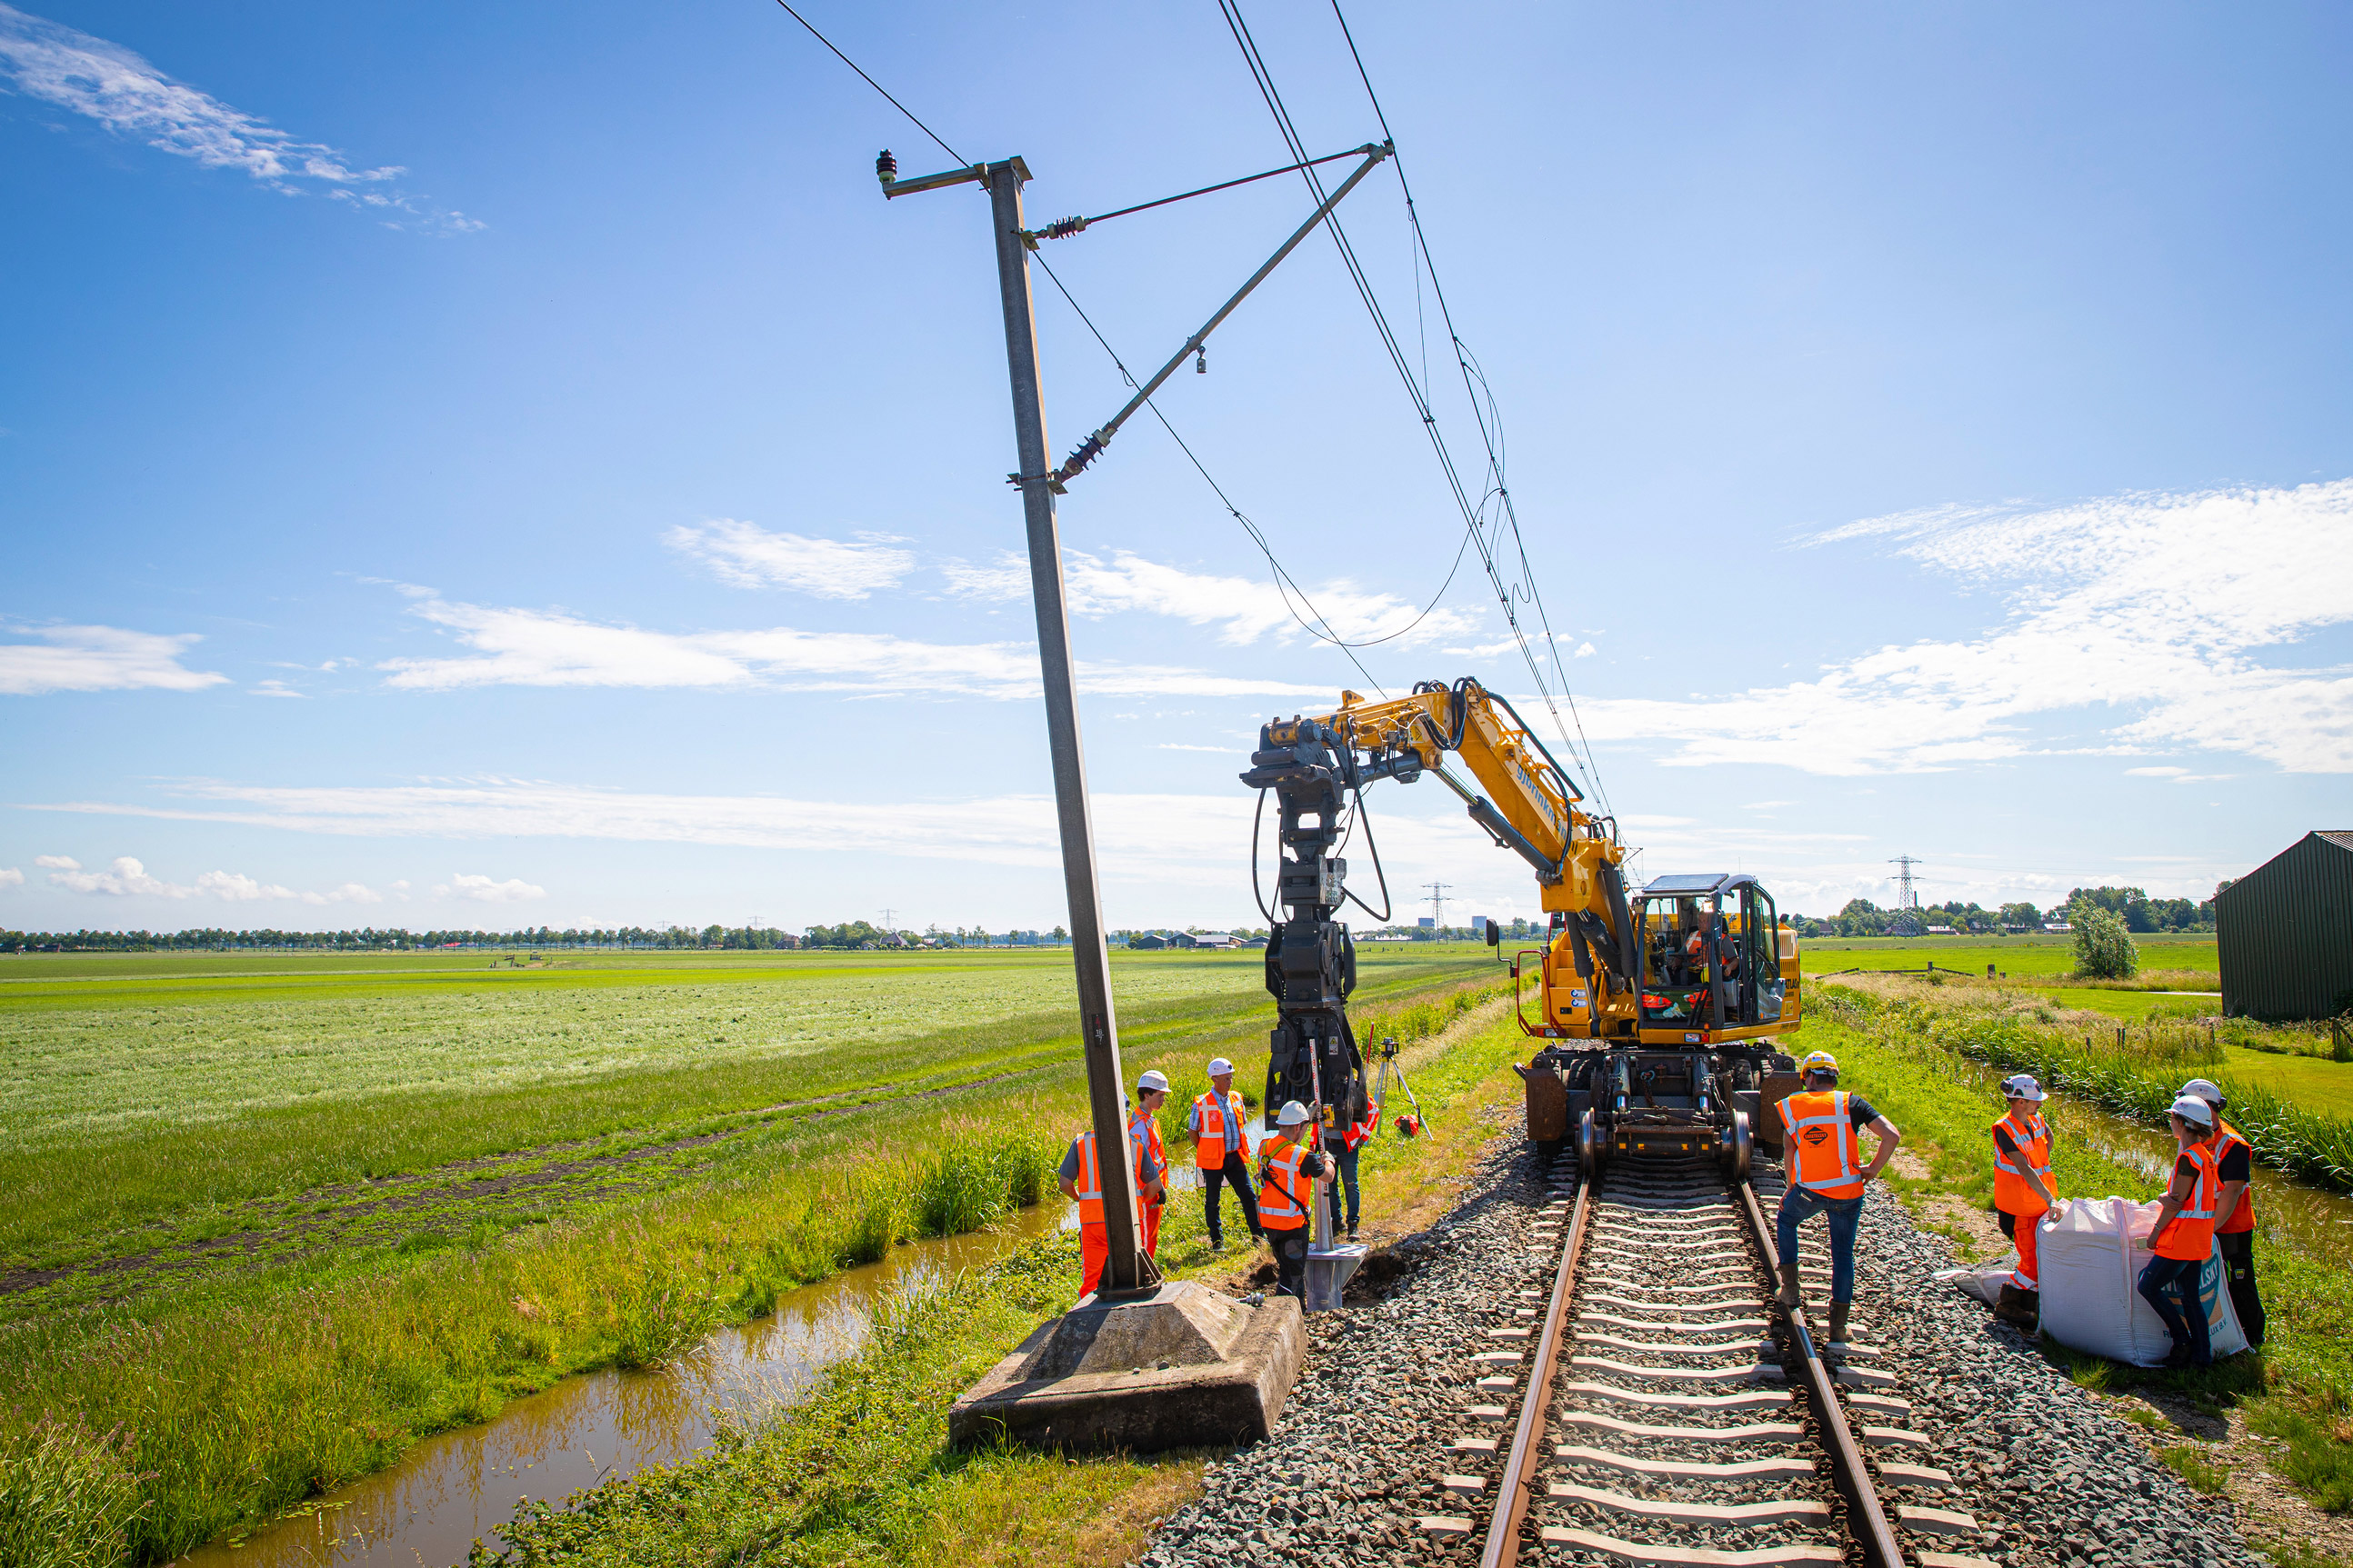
1859	1111
2239	1164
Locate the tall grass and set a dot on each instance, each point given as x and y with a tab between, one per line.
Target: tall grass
224	1412
2131	1072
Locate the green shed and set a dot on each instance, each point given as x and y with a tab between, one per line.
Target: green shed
2284	932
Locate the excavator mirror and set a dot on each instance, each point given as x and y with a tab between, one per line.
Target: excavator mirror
1495	934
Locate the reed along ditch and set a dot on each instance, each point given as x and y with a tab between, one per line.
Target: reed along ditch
455	1488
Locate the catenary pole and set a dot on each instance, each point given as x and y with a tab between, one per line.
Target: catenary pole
1126	1269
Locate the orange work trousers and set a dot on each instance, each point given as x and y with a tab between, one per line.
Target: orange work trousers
1094	1246
2020	1228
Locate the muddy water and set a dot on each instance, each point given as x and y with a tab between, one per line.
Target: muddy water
2300	1216
449	1490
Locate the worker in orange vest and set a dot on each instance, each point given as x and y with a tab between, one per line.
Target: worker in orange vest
1820	1136
1287	1175
2183	1238
1151	1159
1221	1151
1081	1179
2234	1230
1342	1148
2024	1190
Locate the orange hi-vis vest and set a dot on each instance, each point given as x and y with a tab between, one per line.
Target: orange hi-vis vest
2242	1219
2011	1191
1283	1193
1151	1160
1361	1133
1090	1183
2191	1236
1818	1126
1217	1111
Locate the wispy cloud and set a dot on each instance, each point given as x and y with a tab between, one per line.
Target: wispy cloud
512	647
10	877
2147	609
745	555
99	658
109	84
1243	609
485	890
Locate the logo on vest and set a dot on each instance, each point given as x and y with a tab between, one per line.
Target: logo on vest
1816	1134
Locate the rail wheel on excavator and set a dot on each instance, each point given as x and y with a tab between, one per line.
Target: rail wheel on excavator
1658	1009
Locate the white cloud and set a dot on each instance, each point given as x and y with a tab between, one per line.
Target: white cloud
10	877
748	556
482	889
107	83
129	878
99	658
273	687
1244	609
2156	773
2149	608
550	648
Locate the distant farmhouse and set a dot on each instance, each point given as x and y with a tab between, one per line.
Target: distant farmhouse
2284	932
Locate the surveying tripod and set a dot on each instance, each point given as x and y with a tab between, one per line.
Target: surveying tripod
1392	1068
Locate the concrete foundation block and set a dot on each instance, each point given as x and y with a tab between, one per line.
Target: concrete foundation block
1184	1368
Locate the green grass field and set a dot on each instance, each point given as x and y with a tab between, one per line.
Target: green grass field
273	1218
2019	957
2313	1083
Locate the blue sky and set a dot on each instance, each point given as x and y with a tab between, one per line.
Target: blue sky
480	466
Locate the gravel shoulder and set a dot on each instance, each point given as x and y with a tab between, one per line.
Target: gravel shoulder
2053	1477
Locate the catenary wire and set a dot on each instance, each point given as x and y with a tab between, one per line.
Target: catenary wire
869	81
1490	427
1473	515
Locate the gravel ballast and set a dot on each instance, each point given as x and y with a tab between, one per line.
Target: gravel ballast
1360	1453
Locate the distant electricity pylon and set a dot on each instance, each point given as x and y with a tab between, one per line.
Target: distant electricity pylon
1437	902
1907	902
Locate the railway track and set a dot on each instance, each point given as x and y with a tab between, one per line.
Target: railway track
1662	1409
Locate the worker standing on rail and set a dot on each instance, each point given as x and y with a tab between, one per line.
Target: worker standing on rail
1288	1169
2234	1223
2183	1238
2024	1190
1343	1147
1081	1179
1151	1159
1821	1128
1221	1151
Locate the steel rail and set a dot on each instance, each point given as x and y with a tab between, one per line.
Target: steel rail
1519	1474
1866	1520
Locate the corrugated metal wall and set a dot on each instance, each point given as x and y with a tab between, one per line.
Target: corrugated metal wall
2284	932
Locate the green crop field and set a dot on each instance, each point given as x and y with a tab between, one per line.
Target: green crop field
2020	957
274	1216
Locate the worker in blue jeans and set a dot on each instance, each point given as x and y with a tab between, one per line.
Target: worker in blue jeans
1821	1126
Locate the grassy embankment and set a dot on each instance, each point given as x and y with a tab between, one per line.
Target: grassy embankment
342	1325
1933	1057
860	1472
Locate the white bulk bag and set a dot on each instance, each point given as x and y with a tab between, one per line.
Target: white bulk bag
2088	1255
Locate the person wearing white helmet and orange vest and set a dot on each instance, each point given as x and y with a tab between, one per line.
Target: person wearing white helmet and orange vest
1081	1179
1821	1128
2024	1190
1342	1148
1288	1171
1221	1151
2235	1225
1151	1159
2183	1238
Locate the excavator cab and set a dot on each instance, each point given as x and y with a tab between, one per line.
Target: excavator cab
1717	965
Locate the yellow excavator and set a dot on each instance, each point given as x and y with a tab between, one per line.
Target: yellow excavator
1657	1007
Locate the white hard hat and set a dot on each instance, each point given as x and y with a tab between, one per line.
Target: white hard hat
1154	1081
1220	1066
2206	1089
2021	1086
1293	1114
2190	1108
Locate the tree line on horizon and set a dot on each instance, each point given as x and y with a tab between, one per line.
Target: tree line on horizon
2141	915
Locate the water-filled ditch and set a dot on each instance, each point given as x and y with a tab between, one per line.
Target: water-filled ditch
453	1489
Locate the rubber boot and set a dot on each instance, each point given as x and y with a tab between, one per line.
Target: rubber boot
1837	1339
1788	1295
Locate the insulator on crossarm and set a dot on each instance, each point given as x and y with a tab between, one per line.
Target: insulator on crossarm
1201	361
1063	227
886	167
